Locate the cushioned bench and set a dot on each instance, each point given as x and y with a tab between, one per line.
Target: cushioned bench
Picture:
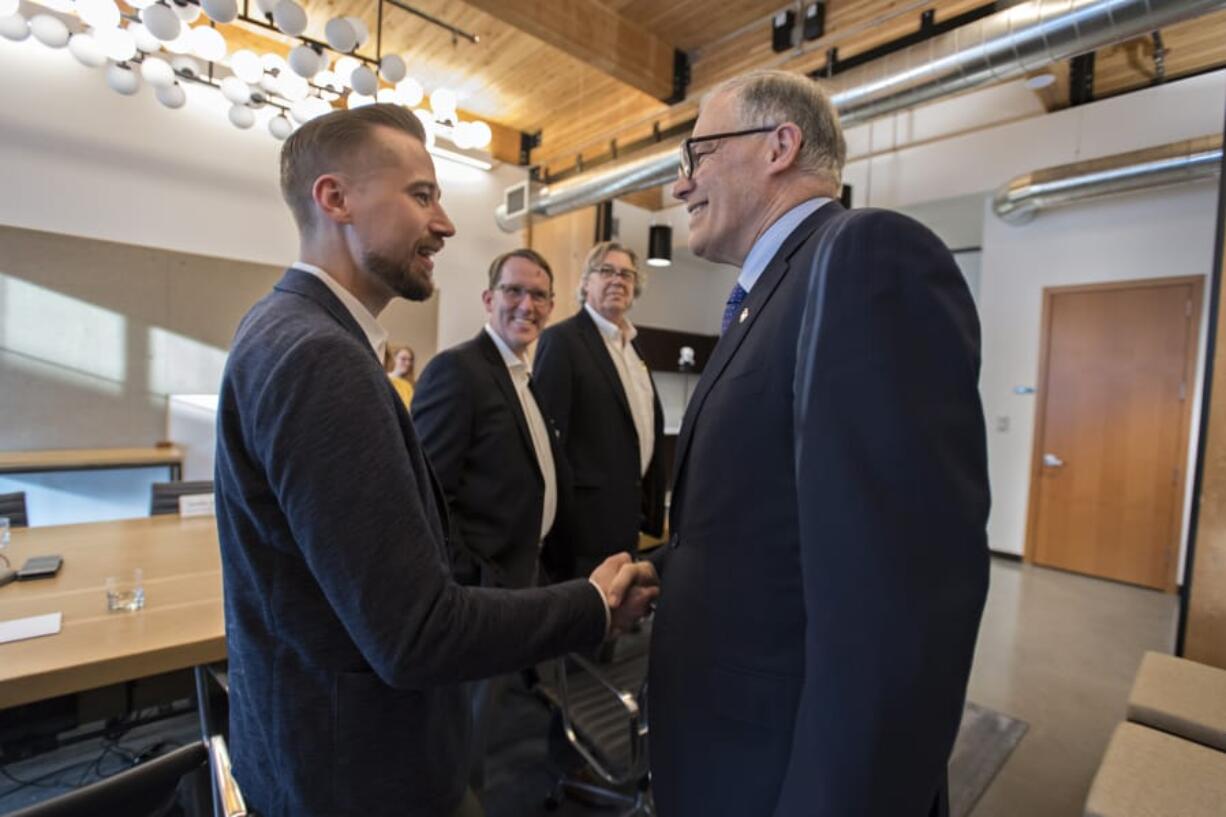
1147	773
1181	697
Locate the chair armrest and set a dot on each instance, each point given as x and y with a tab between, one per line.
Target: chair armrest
225	786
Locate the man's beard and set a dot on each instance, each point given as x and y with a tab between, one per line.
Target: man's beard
400	278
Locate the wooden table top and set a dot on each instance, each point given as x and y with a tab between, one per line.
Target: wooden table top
71	459
181	625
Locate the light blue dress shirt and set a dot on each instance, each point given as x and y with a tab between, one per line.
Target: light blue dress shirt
764	249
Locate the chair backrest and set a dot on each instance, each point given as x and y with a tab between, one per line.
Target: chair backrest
164	498
13	506
141	791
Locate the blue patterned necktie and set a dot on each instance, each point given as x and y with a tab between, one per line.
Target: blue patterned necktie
734	303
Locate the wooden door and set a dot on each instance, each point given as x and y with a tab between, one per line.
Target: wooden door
1111	435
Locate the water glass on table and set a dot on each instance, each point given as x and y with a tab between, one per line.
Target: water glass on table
125	594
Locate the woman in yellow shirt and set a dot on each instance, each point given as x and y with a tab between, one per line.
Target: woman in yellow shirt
399	365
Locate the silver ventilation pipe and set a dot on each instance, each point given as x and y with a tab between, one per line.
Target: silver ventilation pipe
1019	200
1005	45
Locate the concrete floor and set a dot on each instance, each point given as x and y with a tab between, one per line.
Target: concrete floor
1059	651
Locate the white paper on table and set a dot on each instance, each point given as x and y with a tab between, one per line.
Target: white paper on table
19	629
196	505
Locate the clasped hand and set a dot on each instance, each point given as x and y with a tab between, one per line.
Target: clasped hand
629	587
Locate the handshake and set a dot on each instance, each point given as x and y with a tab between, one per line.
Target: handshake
629	587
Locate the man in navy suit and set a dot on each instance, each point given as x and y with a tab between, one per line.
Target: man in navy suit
495	451
348	638
831	479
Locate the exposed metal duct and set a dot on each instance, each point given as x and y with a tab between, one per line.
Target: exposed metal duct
1005	45
1019	200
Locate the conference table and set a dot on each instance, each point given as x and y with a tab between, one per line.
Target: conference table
92	459
181	625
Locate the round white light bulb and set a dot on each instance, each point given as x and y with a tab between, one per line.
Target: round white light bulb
49	30
241	116
99	13
280	127
116	43
157	72
289	17
122	79
85	48
340	35
161	22
461	135
392	68
246	66
274	63
14	27
360	30
187	12
305	61
409	92
208	44
144	40
443	102
221	11
187	66
293	87
266	6
482	135
328	79
357	100
171	96
387	95
235	90
364	81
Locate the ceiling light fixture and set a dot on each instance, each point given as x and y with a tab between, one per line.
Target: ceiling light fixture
659	245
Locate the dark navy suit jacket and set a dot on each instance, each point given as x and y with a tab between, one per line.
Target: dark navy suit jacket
827	568
347	636
473	428
581	390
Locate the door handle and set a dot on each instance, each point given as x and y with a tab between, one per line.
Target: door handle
1052	461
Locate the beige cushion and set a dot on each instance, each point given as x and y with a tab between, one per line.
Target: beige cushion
1180	697
1146	773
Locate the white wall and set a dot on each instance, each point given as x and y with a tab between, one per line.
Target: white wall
1166	232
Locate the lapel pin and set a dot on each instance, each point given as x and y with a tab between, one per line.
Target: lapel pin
744	315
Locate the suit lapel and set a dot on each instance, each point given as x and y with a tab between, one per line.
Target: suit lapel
596	347
502	378
313	289
753	306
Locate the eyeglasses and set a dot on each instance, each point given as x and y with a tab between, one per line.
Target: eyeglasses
608	271
516	293
689	162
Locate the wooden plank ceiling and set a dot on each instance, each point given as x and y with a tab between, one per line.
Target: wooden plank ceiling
585	72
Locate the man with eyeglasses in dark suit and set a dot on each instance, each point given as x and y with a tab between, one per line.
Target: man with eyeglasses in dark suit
593	382
495	452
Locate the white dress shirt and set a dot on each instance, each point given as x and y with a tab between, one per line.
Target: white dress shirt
521	373
376	335
636	381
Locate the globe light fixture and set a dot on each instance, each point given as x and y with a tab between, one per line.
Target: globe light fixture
360	30
305	61
85	48
208	44
235	90
289	17
161	22
145	41
172	96
187	66
364	81
221	11
187	12
443	102
116	43
246	66
49	30
280	127
409	92
157	72
340	35
482	135
14	27
98	13
242	117
122	79
392	68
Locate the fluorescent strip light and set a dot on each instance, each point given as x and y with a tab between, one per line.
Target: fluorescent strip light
461	158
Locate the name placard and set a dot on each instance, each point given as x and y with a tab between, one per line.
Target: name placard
196	505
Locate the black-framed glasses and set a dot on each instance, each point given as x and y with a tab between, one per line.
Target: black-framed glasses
516	293
689	162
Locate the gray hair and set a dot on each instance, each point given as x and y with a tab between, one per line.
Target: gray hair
774	97
596	256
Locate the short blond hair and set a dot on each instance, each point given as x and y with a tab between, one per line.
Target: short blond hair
773	97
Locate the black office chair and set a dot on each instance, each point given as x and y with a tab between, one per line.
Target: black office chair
13	506
147	790
604	718
164	497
